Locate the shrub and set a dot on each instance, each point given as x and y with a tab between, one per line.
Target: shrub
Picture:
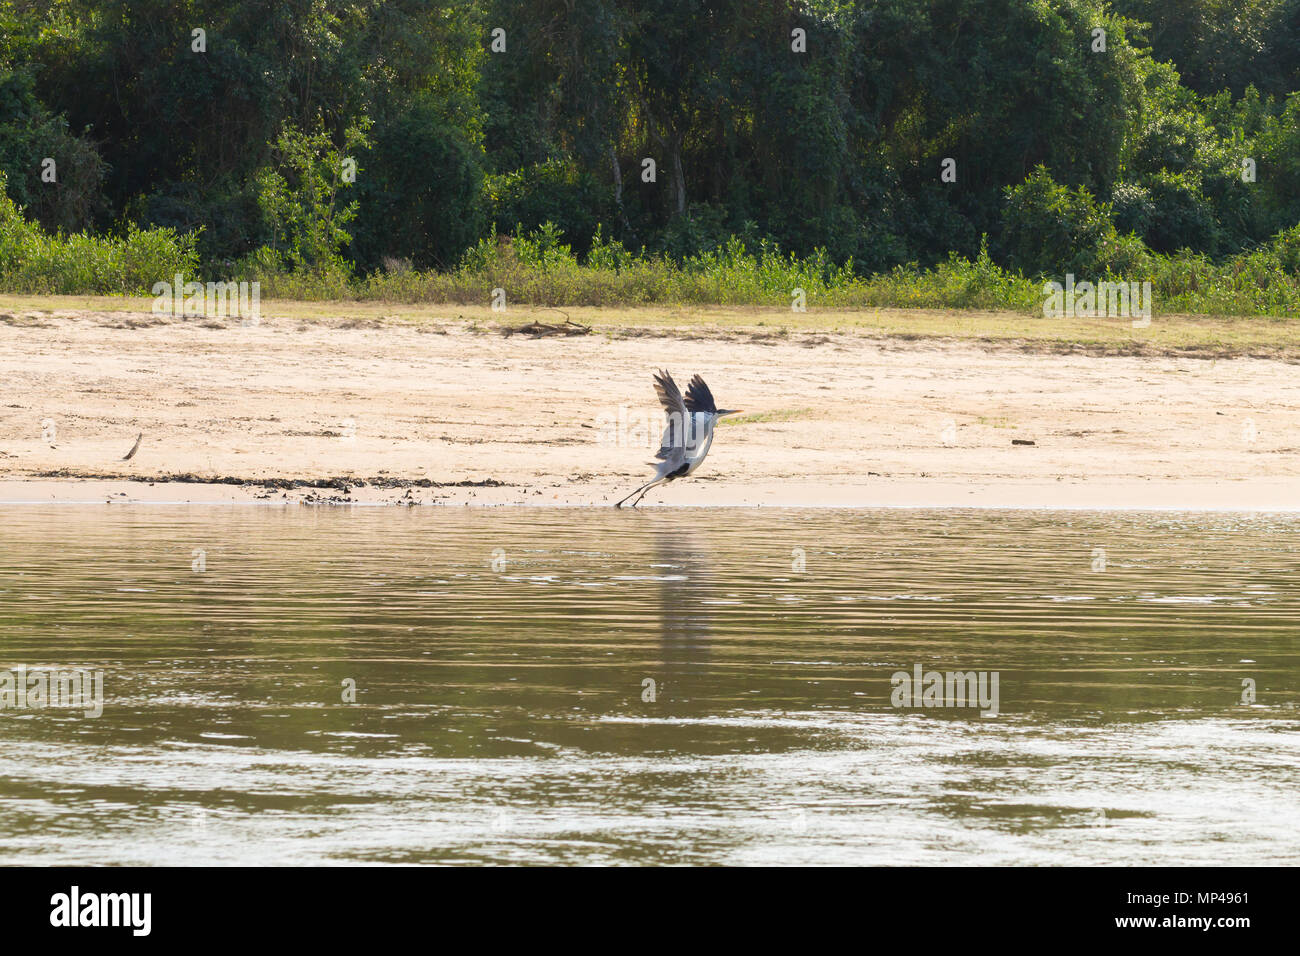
1286	250
1131	208
1181	217
1049	229
552	192
301	197
36	262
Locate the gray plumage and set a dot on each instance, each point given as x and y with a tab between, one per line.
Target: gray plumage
689	432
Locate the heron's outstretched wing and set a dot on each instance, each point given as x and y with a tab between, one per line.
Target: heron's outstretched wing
698	396
670	396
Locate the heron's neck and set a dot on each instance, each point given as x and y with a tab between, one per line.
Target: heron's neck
708	439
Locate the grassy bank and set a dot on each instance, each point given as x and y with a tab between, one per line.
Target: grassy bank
539	268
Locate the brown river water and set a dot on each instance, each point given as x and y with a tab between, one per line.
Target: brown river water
683	686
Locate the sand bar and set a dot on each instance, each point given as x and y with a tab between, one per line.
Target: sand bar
449	411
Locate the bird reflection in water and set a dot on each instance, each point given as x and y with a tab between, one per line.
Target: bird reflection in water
683	564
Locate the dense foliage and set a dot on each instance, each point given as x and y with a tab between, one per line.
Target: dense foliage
1179	142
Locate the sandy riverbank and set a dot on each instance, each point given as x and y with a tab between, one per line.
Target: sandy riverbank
449	412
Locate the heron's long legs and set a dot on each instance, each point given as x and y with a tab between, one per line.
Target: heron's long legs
643	489
619	504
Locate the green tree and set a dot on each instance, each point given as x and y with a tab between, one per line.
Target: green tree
301	197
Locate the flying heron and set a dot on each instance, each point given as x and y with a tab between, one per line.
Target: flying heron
689	434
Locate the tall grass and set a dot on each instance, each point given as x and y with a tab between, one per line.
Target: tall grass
537	267
35	262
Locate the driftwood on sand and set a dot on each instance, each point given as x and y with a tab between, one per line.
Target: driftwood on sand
538	329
